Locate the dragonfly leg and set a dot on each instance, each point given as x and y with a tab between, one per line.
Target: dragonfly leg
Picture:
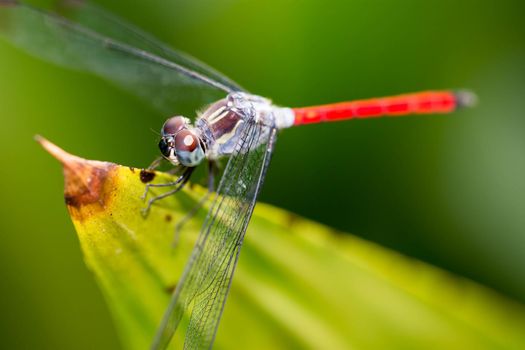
176	170
179	183
155	164
167	184
200	204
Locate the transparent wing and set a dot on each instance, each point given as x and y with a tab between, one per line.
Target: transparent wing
207	276
168	84
107	24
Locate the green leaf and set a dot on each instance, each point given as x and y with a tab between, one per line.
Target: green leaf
298	284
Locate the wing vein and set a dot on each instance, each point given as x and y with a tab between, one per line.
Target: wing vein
207	277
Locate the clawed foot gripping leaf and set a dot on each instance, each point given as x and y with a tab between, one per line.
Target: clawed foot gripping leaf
299	285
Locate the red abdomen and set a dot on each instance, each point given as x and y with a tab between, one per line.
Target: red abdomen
429	102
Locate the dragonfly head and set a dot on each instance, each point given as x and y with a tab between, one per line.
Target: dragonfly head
180	142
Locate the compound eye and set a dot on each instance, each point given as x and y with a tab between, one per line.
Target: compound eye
188	148
174	125
164	147
186	141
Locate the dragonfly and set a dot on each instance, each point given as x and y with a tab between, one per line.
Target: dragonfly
235	124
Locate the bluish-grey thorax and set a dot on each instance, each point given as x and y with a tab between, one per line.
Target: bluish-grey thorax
221	125
225	121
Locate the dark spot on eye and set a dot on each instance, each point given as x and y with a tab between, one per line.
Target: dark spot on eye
146	176
168	218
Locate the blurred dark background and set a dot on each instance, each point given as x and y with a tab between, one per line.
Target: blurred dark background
449	190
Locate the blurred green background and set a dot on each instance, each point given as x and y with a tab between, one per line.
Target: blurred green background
449	190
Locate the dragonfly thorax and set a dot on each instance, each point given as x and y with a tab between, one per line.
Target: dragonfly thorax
223	123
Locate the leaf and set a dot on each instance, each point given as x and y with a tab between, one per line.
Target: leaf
298	284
